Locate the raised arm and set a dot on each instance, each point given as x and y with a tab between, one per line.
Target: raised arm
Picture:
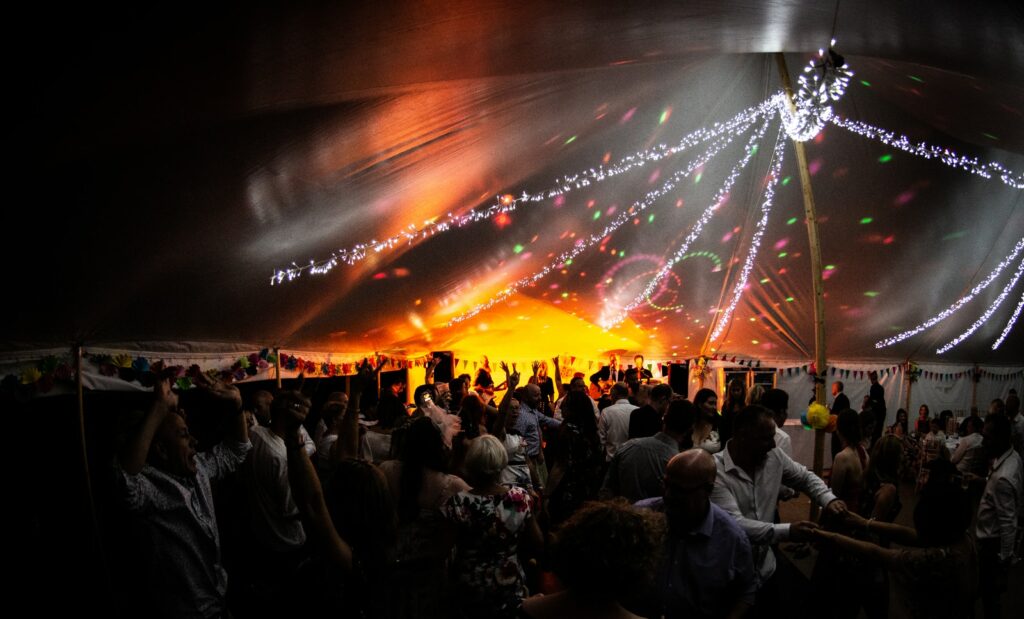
887	531
428	378
309	498
506	401
558	378
347	445
133	455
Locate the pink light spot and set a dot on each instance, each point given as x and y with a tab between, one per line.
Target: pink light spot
590	204
654	176
559	201
782	271
525	255
814	166
553	286
611	210
679	203
628	115
563	235
381	275
904	197
728	235
781	243
889	239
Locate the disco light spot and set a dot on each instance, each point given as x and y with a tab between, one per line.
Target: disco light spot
679	203
622	254
886	158
607	157
570	140
783	254
790	299
781	243
989	136
954	235
814	166
419	302
786	180
628	115
553	286
569	261
400	272
654	176
559	201
565	295
765	280
590	203
526	255
597	215
755	342
871	293
665	115
728	235
818	139
611	210
866	220
518	249
650	218
507	199
866	83
502	220
888	240
905	197
791	221
380	275
916	78
696	179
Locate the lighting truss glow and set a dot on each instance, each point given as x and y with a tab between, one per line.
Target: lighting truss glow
508	203
608	322
1009	325
582	245
948	157
822	83
766	206
988	313
949	311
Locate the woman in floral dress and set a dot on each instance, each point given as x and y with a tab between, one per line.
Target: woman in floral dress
492	520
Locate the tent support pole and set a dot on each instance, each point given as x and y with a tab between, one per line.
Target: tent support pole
277	368
811	219
910	387
86	476
974	389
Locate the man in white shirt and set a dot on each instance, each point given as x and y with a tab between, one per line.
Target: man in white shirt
751	470
613	425
998	513
969	456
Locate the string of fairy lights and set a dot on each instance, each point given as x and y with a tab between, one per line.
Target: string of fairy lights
823	82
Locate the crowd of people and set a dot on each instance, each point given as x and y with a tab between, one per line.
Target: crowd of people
613	498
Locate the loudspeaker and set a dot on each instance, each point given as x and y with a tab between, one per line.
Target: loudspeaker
679	378
445	370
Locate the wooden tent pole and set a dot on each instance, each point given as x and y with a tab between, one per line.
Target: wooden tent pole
910	387
86	476
811	219
277	368
974	389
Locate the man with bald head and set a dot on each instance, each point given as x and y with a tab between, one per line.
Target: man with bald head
707	569
530	425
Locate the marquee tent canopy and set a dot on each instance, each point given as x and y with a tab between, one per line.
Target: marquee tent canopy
178	164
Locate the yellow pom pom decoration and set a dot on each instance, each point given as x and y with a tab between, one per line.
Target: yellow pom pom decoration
818	416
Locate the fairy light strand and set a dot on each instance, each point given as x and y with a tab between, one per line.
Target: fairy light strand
608	322
949	311
583	244
988	313
822	83
1009	325
509	203
755	242
921	149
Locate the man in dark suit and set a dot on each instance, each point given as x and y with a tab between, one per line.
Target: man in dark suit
839	404
609	374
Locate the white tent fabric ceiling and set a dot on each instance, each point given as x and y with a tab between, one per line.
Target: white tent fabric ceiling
186	159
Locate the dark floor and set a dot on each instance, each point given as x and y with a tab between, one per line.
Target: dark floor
799	509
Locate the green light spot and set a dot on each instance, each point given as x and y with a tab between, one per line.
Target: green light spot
866	83
791	221
765	280
954	235
885	158
570	140
790	299
866	220
622	254
830	267
696	179
753	149
786	180
597	215
989	136
916	78
650	219
568	262
664	117
783	254
518	249
871	293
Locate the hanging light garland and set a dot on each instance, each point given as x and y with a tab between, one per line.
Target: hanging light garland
988	313
1009	324
949	311
822	83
